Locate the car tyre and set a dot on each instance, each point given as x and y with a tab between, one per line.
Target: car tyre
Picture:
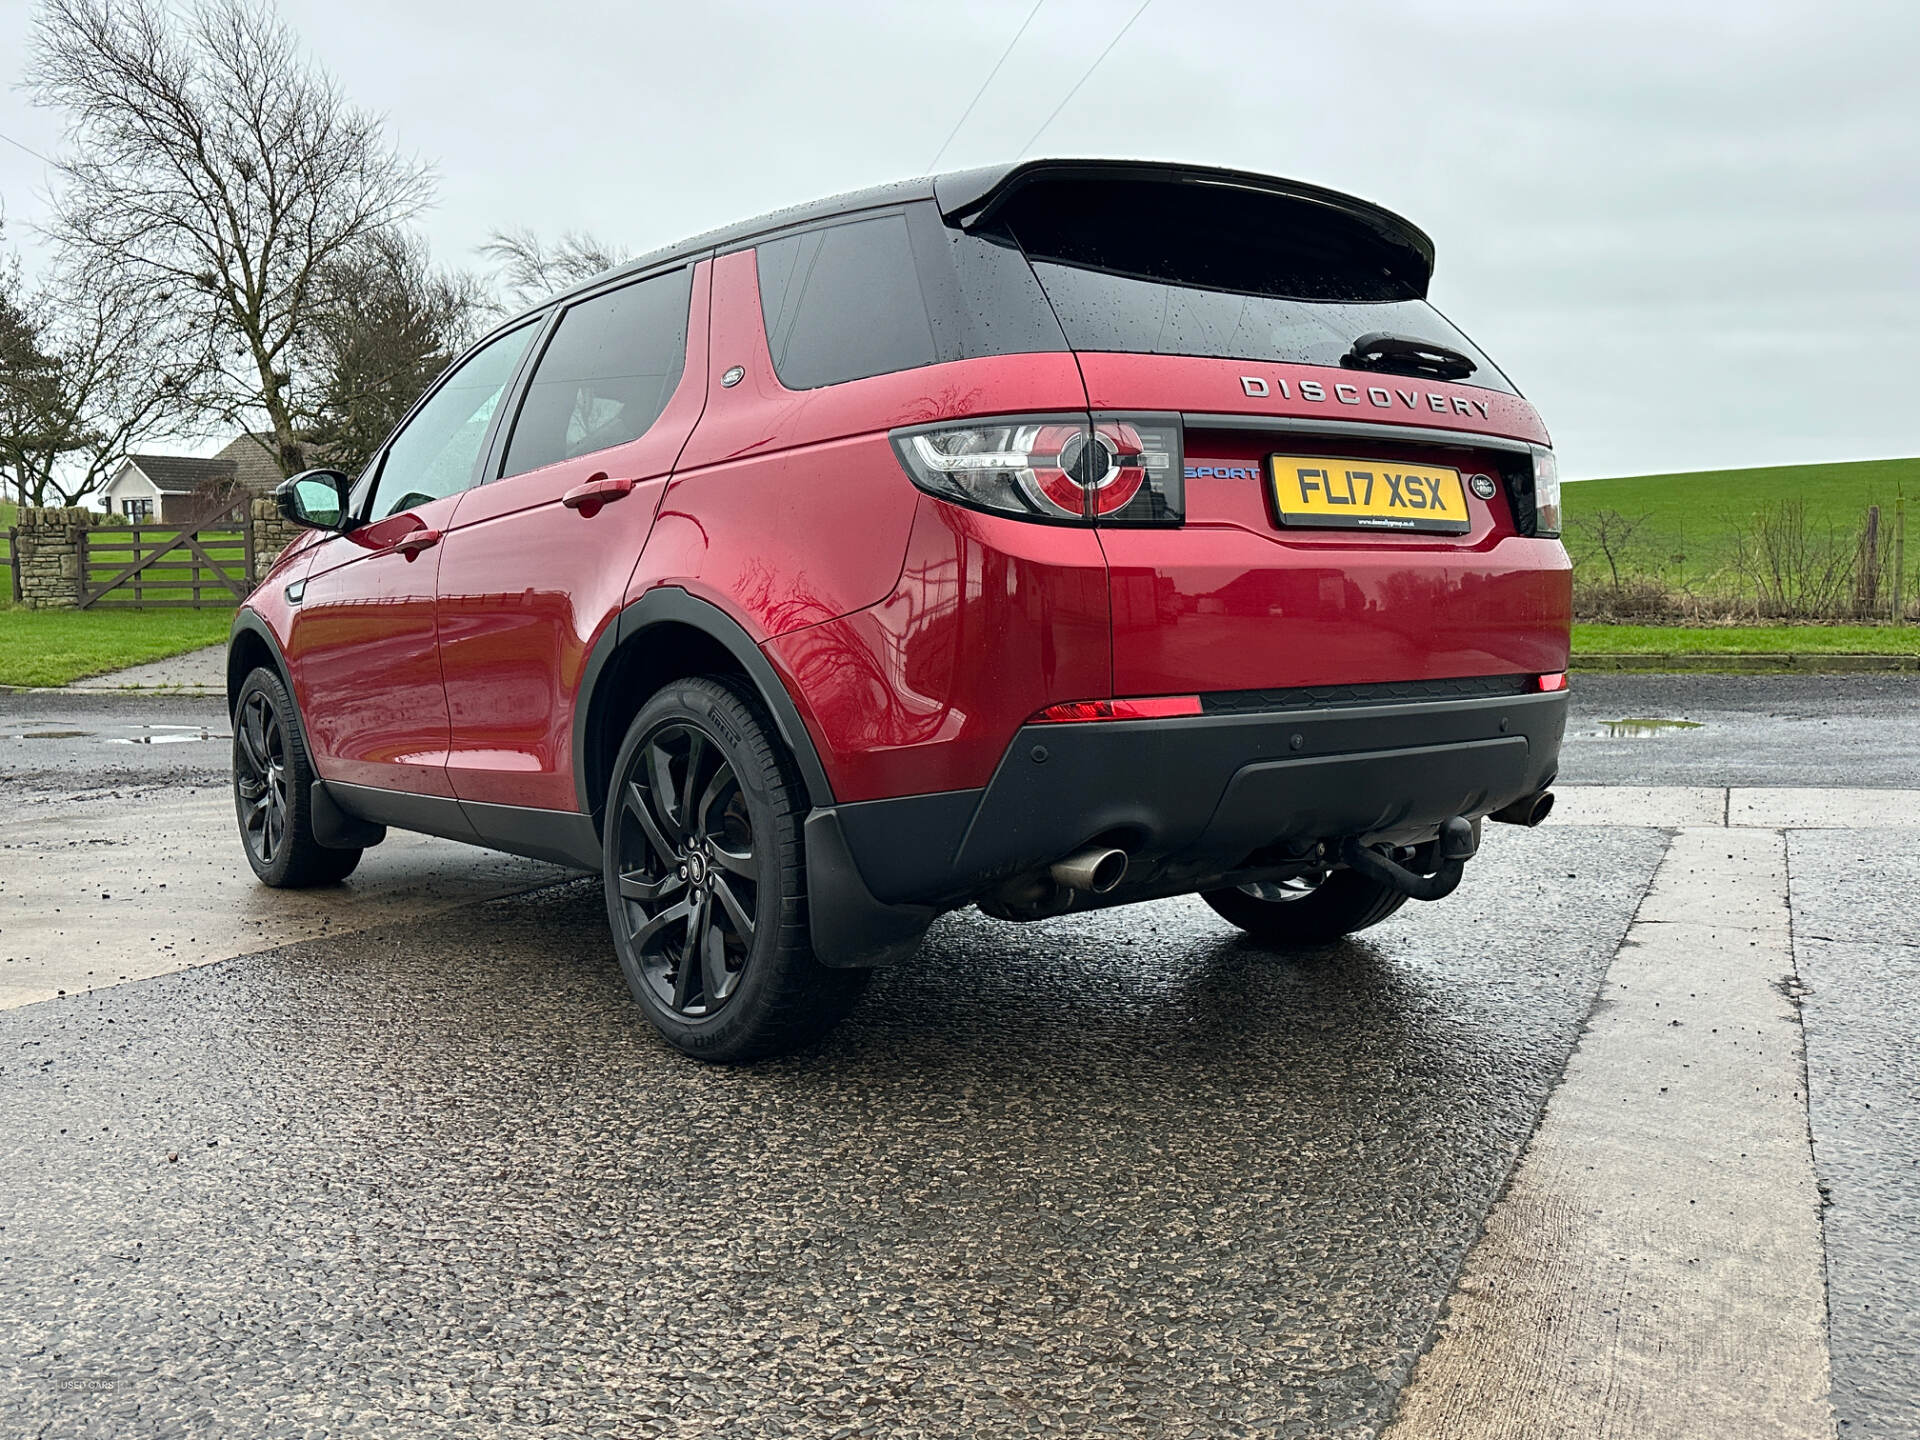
272	790
1303	914
706	885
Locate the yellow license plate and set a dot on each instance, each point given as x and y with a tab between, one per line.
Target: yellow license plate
1319	490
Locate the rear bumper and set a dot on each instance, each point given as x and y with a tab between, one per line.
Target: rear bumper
1194	797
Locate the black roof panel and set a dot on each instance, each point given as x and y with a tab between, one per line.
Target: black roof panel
965	196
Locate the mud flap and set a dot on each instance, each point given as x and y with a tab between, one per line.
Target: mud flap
334	828
852	930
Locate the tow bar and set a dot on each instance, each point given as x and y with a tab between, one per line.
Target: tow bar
1457	844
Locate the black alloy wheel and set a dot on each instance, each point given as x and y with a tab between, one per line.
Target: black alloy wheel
260	776
1307	912
688	873
706	878
272	790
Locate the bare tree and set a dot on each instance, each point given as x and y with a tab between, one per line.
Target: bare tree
1798	571
1611	534
528	269
389	323
27	377
80	384
213	166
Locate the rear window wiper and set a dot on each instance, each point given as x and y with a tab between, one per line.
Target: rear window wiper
1404	355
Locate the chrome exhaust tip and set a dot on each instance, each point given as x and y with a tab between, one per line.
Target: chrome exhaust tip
1095	871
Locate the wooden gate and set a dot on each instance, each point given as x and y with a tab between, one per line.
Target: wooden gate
206	565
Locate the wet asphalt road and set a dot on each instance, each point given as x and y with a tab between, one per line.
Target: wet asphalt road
1124	1170
55	741
1857	951
1755	730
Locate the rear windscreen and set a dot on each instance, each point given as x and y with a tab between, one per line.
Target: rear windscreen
1162	269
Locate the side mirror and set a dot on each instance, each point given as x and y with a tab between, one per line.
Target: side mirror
316	499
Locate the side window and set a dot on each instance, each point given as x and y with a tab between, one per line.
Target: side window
437	452
606	375
843	303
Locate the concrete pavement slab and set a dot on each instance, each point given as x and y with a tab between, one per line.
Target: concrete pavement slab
123	885
1654	1268
1663	807
1836	808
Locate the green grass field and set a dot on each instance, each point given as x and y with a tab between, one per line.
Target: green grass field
1746	640
1694	517
54	647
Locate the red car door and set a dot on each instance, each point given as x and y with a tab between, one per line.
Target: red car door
362	643
538	559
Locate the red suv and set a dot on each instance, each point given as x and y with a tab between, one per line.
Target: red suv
1043	537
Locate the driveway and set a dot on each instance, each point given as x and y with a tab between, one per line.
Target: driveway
426	1171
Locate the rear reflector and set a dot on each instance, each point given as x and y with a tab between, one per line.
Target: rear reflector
1153	707
1557	681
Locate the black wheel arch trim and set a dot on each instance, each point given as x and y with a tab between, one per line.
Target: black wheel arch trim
670	605
848	926
249	622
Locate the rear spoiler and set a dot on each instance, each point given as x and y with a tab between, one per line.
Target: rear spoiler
969	198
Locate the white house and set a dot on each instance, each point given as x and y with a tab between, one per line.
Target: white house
159	489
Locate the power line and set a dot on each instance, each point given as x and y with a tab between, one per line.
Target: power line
30	150
986	82
1121	35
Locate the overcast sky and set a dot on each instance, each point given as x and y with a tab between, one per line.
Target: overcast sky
1689	231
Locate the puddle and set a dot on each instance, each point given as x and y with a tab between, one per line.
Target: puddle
1644	727
168	735
149	735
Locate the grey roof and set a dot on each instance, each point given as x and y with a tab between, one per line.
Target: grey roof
181	474
255	462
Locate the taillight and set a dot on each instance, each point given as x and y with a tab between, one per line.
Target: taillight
1104	469
1549	683
1546	492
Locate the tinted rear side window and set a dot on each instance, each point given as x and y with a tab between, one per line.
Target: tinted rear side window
606	375
844	303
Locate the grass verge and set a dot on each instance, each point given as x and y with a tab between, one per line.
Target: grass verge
56	647
1746	640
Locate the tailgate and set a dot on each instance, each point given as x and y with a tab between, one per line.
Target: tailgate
1358	475
1247	596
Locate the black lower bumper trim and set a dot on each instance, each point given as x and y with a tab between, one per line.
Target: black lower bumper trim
1197	796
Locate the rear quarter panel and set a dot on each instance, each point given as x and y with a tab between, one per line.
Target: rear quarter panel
789	508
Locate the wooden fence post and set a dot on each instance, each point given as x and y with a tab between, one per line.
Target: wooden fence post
1899	557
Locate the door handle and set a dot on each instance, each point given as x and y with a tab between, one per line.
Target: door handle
597	491
414	541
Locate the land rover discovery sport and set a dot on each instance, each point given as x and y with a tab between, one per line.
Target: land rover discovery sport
1058	535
